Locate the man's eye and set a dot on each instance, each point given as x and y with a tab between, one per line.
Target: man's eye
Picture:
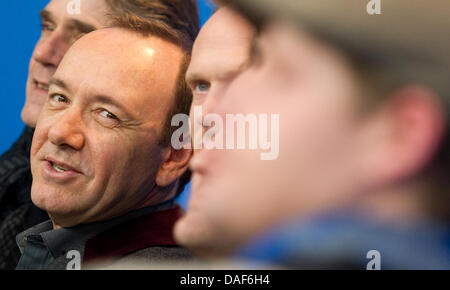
47	27
202	87
57	98
108	115
107	119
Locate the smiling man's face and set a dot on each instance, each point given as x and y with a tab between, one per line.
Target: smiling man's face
60	30
96	152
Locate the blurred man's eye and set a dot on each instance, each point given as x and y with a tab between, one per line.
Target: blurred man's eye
202	87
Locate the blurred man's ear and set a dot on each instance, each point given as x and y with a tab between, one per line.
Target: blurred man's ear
175	163
405	135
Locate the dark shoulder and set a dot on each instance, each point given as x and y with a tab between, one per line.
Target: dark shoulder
15	166
21	146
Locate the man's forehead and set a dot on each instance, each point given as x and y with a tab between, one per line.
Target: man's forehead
226	19
115	62
225	28
99	71
118	46
223	44
216	60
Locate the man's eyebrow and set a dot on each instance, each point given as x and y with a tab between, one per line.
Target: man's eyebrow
192	77
81	26
57	82
46	15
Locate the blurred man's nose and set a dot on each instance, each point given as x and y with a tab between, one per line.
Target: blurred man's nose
210	103
67	131
51	49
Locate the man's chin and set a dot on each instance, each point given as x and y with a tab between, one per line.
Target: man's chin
195	232
61	217
63	221
53	205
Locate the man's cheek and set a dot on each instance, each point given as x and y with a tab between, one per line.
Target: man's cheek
106	158
39	138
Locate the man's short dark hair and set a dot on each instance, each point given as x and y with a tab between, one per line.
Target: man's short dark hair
179	16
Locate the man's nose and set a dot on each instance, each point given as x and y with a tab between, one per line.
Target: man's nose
67	131
50	50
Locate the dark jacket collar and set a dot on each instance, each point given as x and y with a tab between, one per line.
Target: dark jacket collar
61	240
154	229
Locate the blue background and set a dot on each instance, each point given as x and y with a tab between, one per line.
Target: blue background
21	31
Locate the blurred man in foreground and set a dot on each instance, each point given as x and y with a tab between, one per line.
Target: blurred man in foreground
102	164
364	155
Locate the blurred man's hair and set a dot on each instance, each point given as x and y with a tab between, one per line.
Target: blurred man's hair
407	43
176	21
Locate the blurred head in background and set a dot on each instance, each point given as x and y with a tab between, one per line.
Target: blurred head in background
363	104
220	53
63	22
61	27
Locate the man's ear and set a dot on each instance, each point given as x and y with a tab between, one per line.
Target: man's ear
410	127
175	163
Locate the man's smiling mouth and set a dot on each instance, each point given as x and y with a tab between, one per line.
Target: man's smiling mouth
59	168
